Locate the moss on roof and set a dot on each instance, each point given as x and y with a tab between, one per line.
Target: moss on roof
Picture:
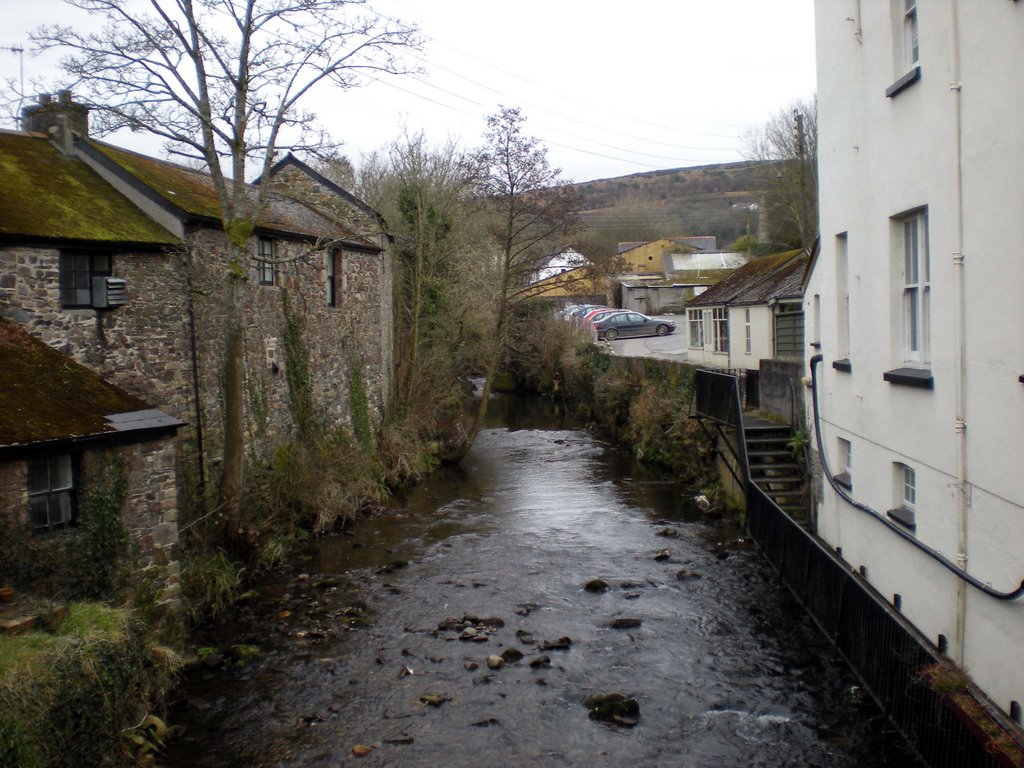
50	195
194	193
48	396
745	278
190	190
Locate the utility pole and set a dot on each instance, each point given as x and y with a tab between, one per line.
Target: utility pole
802	155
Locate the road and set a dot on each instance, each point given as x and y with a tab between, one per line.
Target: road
671	347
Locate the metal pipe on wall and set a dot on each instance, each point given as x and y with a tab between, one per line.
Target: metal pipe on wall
960	331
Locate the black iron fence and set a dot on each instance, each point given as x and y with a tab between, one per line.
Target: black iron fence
885	650
889	655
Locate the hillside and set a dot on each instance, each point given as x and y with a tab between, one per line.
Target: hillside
680	201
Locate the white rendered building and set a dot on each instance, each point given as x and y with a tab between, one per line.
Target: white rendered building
918	305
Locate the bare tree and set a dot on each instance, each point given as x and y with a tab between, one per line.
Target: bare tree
787	145
223	81
530	210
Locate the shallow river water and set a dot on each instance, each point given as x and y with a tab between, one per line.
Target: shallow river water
359	653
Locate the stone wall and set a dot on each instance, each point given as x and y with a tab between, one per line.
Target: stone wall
149	513
366	292
145	346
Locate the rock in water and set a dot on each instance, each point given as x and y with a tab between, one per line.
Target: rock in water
628	622
613	708
596	585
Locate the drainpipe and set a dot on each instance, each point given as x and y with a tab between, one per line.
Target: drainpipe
960	331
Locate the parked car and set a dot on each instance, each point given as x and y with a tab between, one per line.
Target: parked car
623	324
601	314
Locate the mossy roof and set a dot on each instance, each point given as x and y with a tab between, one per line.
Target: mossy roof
49	195
756	282
193	193
49	397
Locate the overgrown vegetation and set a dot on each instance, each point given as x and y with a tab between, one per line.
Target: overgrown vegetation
642	403
74	696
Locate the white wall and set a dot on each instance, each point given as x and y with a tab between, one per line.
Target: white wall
879	157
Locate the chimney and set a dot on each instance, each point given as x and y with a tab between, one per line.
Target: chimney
58	119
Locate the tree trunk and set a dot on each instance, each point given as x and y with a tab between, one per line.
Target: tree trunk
231	479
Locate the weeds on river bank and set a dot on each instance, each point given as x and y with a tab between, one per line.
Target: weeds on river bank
642	403
73	695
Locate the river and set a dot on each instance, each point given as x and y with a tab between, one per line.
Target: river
374	650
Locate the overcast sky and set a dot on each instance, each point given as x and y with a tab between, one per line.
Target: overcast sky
638	86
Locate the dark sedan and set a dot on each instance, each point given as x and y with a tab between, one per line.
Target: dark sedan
625	324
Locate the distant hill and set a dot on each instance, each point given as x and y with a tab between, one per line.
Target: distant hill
676	202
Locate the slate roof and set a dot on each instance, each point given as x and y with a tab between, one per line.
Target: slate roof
770	277
51	196
192	193
49	398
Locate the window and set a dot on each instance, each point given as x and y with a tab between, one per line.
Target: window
911	50
332	289
789	330
909	478
76	273
265	261
845	464
905	481
695	319
916	288
720	329
843	297
746	329
50	492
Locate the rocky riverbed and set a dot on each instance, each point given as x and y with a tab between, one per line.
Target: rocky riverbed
550	604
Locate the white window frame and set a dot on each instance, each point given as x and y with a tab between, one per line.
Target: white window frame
915	276
695	323
720	329
911	43
845	462
748	345
906	487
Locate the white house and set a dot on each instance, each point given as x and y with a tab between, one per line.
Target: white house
564	260
755	313
919	317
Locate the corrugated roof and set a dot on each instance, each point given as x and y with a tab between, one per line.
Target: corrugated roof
48	397
760	280
52	196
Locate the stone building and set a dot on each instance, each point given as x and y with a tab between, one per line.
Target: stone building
118	260
62	428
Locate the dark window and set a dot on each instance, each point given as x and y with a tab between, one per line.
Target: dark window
265	261
76	273
332	276
51	491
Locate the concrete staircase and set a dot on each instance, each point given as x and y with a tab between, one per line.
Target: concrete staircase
775	468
